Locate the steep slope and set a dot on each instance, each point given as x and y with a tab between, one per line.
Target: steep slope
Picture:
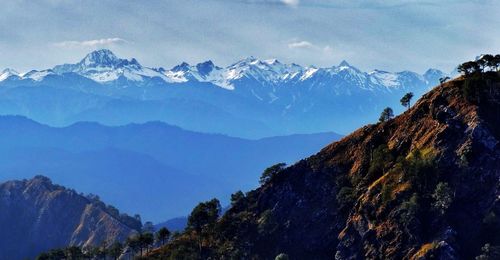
251	98
154	165
424	185
37	215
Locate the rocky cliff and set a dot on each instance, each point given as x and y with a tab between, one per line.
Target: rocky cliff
37	215
424	185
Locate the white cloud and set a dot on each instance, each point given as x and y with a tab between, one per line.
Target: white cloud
91	43
291	2
300	45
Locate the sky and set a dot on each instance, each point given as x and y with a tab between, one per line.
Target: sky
391	35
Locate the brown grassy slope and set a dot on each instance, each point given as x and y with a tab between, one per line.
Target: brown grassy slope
391	213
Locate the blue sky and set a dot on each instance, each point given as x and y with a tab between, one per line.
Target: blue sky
384	34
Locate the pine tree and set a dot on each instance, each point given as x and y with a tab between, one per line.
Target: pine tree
386	114
406	100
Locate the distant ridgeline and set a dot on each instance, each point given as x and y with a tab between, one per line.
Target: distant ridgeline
37	215
251	98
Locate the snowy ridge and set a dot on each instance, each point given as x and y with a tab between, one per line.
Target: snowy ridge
7	73
103	66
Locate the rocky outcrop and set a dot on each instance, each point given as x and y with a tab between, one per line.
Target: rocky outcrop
37	215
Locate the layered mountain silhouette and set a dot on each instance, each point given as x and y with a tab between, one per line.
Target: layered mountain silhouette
37	215
423	185
251	98
154	169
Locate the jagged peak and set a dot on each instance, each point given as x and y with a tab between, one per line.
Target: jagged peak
245	61
7	73
184	66
10	71
159	69
378	71
272	61
433	71
344	63
206	67
42	178
100	56
106	58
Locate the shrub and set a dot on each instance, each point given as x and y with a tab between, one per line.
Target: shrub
345	198
443	197
271	172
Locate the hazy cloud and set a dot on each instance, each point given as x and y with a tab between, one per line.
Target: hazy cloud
300	45
291	2
91	43
306	45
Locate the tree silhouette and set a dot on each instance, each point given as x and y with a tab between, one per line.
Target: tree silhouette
406	99
497	62
443	80
148	227
270	172
147	239
482	63
489	61
203	218
115	250
134	243
162	235
386	114
237	196
469	67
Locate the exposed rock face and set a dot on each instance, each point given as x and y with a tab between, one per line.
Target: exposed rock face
423	185
36	215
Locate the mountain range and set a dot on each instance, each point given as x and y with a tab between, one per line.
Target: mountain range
251	98
155	169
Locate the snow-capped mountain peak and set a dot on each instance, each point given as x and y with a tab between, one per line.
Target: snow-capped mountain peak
102	58
106	59
344	63
104	66
205	68
37	75
181	67
7	73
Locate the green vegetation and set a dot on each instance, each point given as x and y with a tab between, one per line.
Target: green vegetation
406	100
386	114
485	63
386	193
115	250
478	75
163	235
204	216
77	253
202	221
410	211
271	172
381	161
140	243
443	80
345	198
443	197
